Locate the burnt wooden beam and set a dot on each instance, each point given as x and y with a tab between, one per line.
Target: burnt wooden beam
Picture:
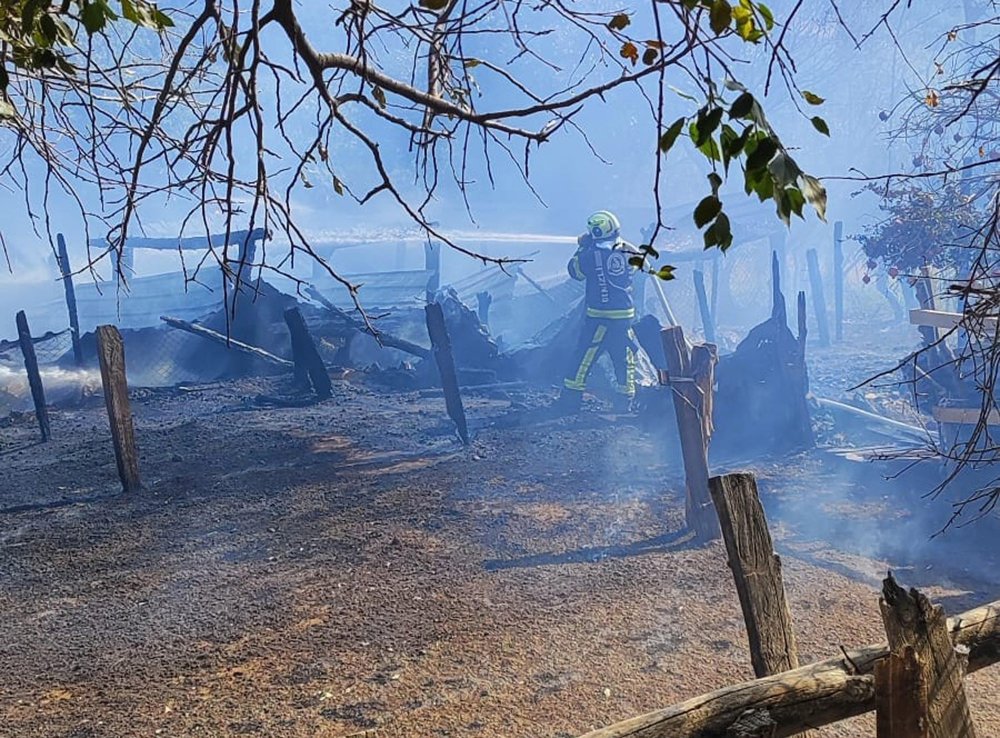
438	332
230	343
67	279
690	413
818	299
308	363
34	375
111	353
911	621
385	339
484	300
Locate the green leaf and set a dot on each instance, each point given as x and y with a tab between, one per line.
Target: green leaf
715	181
6	109
433	4
767	15
670	135
647	248
636	261
470	63
706	210
93	18
812	98
719	233
649	56
720	16
665	272
742	106
784	170
619	23
820	125
379	95
762	154
338	186
707	122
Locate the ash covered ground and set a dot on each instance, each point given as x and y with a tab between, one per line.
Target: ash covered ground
348	567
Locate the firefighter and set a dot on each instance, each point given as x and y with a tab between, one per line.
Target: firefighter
601	260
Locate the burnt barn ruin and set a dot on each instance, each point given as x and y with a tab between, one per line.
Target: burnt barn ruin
387	525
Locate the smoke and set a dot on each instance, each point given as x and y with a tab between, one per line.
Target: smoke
62	387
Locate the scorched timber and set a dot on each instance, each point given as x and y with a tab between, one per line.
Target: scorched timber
229	343
808	697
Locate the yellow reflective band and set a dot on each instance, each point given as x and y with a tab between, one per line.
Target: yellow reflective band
577	271
579	382
629	387
611	314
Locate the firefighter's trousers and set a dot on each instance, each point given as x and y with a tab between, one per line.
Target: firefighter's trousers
600	335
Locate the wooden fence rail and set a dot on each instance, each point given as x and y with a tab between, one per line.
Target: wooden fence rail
808	697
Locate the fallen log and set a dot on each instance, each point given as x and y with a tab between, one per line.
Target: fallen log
385	339
808	697
229	343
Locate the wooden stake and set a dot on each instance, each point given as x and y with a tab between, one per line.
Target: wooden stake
757	572
779	310
803	330
441	343
819	301
707	321
111	352
308	362
34	376
70	290
838	279
900	697
912	621
689	408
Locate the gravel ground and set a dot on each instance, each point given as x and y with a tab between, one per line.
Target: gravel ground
347	567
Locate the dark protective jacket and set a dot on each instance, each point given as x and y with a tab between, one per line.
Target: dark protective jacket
608	275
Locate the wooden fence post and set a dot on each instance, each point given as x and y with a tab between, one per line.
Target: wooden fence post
690	405
67	277
707	319
819	300
111	352
432	263
34	376
441	343
308	363
912	622
838	279
900	697
757	572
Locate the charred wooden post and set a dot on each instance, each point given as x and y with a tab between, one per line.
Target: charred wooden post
67	278
111	353
808	697
900	697
779	257
757	572
229	343
690	410
911	621
803	329
308	363
779	310
432	263
484	299
441	343
707	320
34	376
838	279
818	299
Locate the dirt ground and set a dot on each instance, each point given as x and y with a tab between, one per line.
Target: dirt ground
348	567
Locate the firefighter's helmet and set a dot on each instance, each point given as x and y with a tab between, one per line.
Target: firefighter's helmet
603	226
